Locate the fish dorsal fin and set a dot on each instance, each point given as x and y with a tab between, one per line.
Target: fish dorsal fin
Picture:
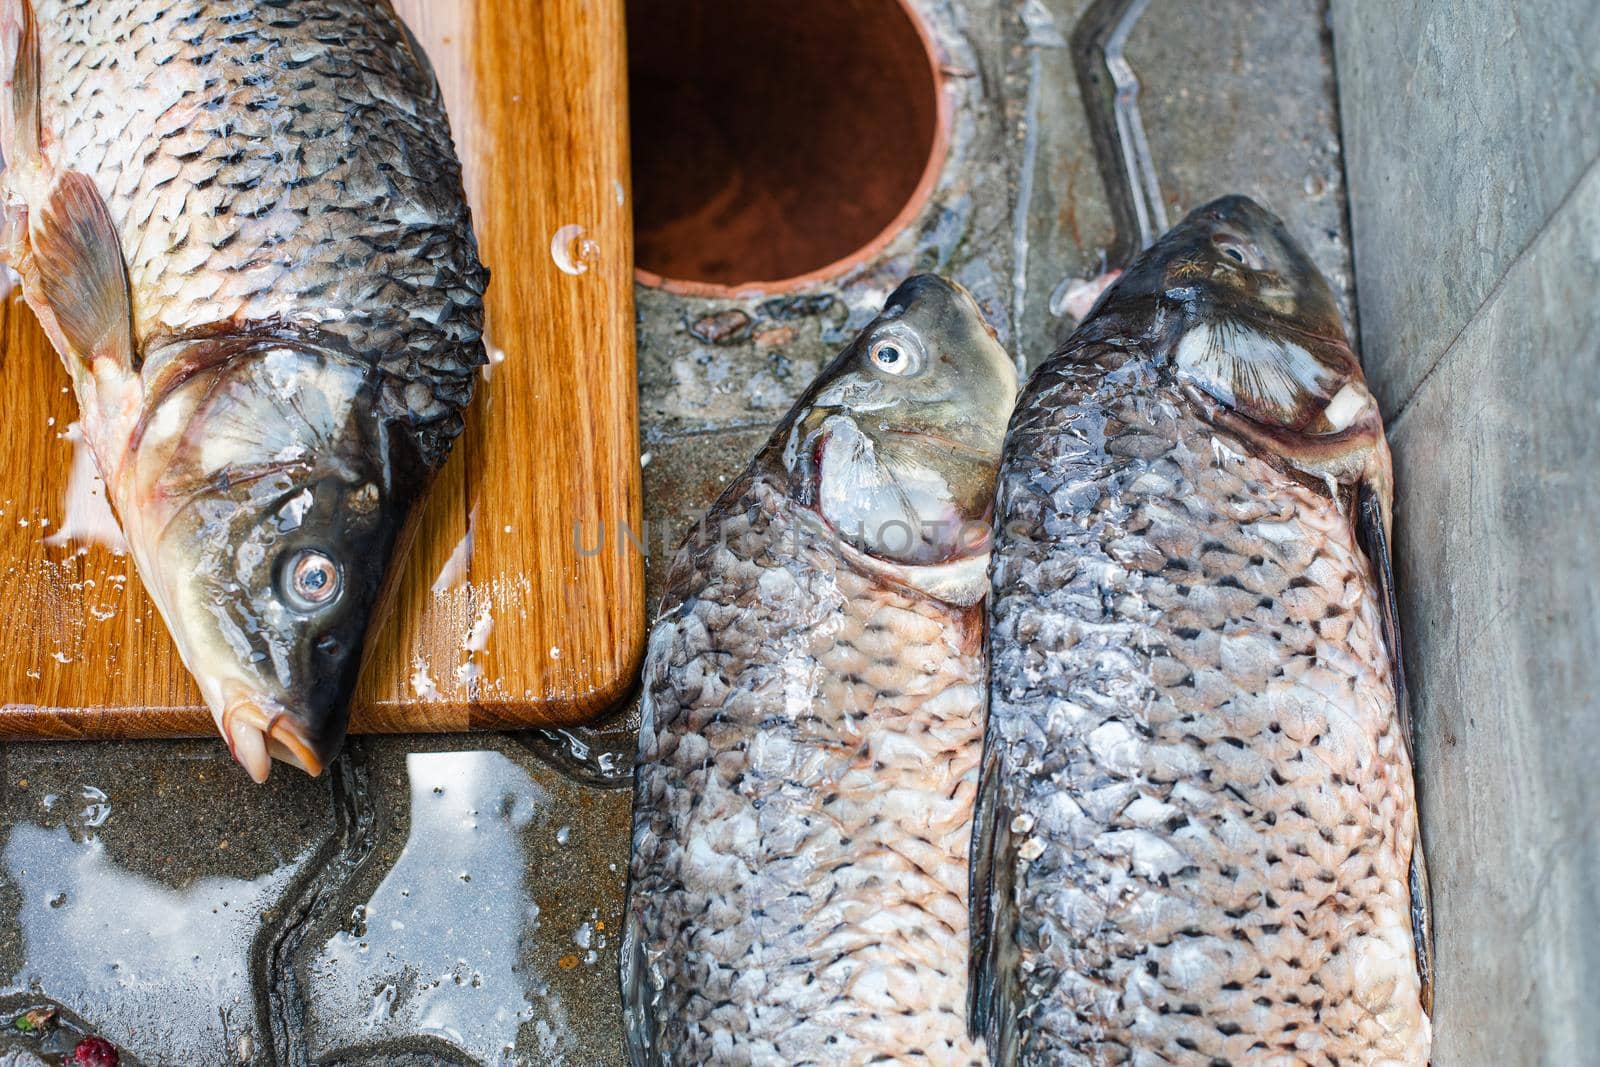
79	275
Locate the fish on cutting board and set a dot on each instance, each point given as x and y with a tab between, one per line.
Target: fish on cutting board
243	228
1196	838
812	716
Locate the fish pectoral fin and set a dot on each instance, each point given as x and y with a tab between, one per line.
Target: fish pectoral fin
1422	921
19	109
79	276
992	963
1372	528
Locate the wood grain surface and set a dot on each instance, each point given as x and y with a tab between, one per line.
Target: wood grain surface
500	620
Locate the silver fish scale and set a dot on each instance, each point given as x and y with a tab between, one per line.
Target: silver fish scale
1204	811
803	814
268	161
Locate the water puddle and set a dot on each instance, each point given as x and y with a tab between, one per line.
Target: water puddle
440	949
162	972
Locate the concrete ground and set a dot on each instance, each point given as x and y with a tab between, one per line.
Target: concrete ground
457	899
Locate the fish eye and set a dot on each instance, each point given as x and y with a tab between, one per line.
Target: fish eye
1238	250
895	355
310	580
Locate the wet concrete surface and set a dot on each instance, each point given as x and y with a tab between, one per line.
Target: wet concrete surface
456	899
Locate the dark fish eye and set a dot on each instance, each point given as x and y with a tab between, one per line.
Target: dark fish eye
1238	250
310	580
892	356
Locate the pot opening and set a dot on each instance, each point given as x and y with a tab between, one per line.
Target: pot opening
776	145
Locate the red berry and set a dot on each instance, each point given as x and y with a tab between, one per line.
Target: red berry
94	1052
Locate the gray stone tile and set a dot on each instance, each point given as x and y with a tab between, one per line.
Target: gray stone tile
1238	97
140	882
1498	487
1066	227
1466	124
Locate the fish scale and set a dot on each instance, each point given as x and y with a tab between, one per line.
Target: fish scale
808	791
307	179
1255	852
812	721
1196	840
241	223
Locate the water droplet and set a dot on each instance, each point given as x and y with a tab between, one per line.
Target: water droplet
573	251
99	808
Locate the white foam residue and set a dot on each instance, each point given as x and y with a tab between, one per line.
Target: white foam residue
457	567
482	626
422	682
87	515
467	613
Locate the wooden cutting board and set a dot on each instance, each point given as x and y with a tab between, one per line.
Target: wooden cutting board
501	621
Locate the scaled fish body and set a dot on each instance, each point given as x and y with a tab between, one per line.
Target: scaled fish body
1197	839
812	720
242	224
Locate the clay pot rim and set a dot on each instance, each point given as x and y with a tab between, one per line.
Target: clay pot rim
938	151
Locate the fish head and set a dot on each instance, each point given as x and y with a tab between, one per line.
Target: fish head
1249	321
897	443
266	524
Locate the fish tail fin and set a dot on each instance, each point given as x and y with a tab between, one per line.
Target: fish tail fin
19	104
77	281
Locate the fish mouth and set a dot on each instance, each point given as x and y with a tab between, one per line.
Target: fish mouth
947	444
259	731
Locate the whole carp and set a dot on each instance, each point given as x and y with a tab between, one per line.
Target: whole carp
242	225
812	717
1197	836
